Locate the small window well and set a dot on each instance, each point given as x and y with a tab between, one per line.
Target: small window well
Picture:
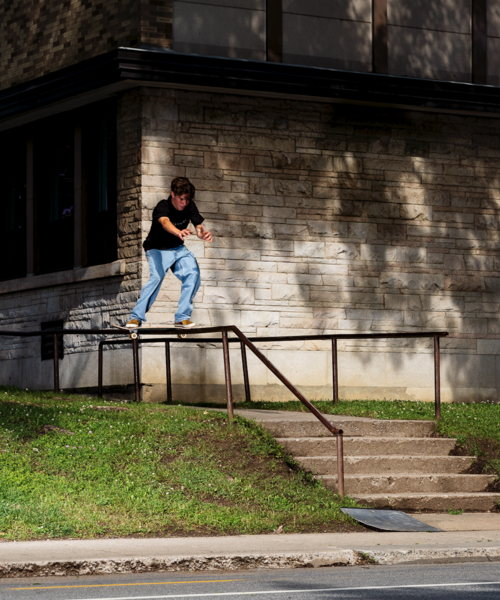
47	345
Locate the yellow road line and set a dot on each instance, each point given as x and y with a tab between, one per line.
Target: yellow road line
57	587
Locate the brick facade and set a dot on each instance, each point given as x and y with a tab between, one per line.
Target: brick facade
41	37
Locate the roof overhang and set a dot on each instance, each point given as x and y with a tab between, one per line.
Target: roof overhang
126	68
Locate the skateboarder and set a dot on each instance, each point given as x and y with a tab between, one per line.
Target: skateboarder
165	250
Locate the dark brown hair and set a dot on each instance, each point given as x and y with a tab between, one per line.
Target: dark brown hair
181	186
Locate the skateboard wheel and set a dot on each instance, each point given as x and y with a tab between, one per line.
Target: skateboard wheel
133	336
182	335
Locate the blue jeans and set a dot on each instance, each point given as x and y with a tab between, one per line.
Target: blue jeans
184	267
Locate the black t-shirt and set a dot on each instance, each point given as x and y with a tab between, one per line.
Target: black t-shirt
158	238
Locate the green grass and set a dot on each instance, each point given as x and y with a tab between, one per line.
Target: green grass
377	409
148	470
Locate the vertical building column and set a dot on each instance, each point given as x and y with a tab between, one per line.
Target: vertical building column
380	60
479	33
30	211
78	217
274	31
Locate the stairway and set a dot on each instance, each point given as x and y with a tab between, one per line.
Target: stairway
388	464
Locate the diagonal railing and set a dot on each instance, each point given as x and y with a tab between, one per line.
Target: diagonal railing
244	342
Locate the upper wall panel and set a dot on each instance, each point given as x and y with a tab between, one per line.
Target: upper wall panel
232	28
446	15
355	10
328	33
493	42
429	39
493	18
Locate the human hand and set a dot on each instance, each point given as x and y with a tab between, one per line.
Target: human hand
204	235
184	233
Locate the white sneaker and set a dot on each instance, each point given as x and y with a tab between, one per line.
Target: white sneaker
133	324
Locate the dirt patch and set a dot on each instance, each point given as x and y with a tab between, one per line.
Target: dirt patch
54	429
236	456
487	461
110	408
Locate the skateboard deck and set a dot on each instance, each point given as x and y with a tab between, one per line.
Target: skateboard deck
133	335
186	330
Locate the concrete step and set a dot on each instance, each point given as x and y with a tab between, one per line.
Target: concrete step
402	484
388	464
368	446
474	502
351	428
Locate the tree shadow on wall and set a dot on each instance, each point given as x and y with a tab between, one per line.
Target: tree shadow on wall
355	219
430	39
419	195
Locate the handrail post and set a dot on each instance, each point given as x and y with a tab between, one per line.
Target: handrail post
437	379
227	372
137	377
248	398
99	369
55	342
168	370
335	372
340	464
284	380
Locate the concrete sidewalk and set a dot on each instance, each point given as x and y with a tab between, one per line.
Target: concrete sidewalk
467	537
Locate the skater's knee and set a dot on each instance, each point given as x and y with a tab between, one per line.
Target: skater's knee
194	276
155	279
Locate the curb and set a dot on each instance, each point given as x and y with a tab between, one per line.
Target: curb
394	557
181	563
244	562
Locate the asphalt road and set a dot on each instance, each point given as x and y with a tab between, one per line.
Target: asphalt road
476	580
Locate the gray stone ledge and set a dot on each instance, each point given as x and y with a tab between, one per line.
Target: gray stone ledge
63	277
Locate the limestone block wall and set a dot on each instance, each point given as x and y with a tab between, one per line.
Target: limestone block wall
42	37
93	297
333	219
493	41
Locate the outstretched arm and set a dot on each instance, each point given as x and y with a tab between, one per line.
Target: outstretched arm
203	234
167	225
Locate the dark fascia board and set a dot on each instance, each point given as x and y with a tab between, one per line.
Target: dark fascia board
131	67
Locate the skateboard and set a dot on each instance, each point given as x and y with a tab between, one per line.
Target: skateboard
132	333
185	332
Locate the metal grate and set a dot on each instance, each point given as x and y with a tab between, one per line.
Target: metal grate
47	341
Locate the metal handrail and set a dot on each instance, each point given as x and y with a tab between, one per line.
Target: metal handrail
245	342
436	335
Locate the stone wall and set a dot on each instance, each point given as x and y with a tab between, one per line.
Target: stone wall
326	219
42	37
334	219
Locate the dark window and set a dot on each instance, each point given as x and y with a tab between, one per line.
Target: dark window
99	177
13	205
56	211
54	194
48	340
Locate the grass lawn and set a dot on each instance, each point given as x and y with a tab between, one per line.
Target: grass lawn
79	467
